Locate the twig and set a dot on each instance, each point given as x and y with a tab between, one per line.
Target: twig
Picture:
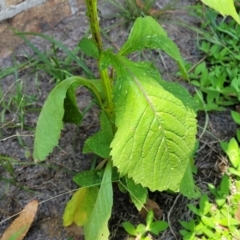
169	214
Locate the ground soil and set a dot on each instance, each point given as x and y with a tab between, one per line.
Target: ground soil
51	181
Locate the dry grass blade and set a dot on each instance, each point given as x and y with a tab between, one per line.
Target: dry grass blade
20	226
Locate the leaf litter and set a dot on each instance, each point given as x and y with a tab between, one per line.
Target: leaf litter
20	226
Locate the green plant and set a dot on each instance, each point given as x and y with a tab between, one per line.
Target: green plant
58	67
148	126
6	164
16	103
217	75
141	231
214	220
220	219
232	150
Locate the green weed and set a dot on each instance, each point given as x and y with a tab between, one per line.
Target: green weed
217	76
141	231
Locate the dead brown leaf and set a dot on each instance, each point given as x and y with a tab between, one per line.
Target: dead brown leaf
75	232
151	205
20	226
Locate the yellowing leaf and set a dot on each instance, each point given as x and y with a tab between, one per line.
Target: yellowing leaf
20	226
224	7
79	208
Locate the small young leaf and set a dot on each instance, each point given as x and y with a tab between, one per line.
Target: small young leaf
208	221
97	224
157	227
200	68
233	152
188	225
208	232
147	33
129	228
236	117
100	142
229	221
199	228
225	185
212	189
187	235
194	209
79	208
137	193
88	46
224	146
220	201
234	171
204	204
141	229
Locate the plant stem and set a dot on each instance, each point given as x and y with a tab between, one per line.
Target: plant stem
96	34
94	23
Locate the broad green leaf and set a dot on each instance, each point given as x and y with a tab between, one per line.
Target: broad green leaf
147	33
79	208
224	7
156	127
188	187
89	47
50	121
71	111
137	193
100	142
97	225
